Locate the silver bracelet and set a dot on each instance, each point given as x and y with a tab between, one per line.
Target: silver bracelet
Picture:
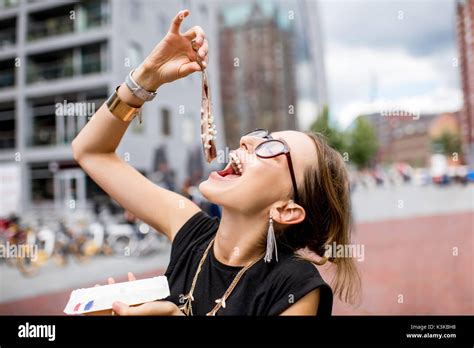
138	90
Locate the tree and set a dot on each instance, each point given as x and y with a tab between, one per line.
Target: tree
336	139
363	143
448	143
360	143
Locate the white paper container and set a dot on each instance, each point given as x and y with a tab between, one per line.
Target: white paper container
132	293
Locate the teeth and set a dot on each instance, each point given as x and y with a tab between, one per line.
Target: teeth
236	164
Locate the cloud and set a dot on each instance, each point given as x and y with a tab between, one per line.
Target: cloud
372	57
421	27
438	101
356	75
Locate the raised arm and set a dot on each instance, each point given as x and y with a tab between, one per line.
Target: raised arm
94	147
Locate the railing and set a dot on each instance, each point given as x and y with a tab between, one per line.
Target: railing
50	135
91	64
44	135
50	27
64	25
63	68
95	20
50	71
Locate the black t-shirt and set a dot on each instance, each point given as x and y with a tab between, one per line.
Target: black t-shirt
264	289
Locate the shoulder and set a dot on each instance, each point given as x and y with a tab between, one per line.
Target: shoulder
196	232
291	279
307	305
196	226
291	268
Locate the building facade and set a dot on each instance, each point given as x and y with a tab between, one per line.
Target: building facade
59	61
410	138
257	66
403	138
465	38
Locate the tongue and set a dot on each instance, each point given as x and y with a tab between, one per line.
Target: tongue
226	171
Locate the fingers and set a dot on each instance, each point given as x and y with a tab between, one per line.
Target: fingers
150	308
177	20
204	49
121	308
131	277
202	53
196	33
189	68
203	59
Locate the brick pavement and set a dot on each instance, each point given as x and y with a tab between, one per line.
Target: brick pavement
414	258
411	257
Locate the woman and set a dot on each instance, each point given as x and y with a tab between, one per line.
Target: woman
281	193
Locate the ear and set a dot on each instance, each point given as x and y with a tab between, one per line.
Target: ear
288	214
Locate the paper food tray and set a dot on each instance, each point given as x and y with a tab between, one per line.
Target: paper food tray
132	293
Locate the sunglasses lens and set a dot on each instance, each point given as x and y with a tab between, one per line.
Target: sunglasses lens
259	133
270	148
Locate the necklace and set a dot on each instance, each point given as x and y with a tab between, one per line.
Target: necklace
187	307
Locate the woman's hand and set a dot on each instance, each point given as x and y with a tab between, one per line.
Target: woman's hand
149	308
174	57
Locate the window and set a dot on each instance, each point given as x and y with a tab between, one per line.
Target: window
165	122
7	126
67	63
8	32
7	73
92	58
41	183
57	119
51	22
43	123
96	13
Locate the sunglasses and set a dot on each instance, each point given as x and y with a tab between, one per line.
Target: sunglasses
271	148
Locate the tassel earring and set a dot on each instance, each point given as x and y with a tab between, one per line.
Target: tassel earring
271	242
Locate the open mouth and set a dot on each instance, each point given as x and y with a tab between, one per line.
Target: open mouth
233	169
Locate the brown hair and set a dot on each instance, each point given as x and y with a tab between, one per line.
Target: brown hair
325	197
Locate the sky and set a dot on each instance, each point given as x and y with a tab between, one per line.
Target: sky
389	54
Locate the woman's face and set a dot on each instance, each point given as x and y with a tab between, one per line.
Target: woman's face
263	181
